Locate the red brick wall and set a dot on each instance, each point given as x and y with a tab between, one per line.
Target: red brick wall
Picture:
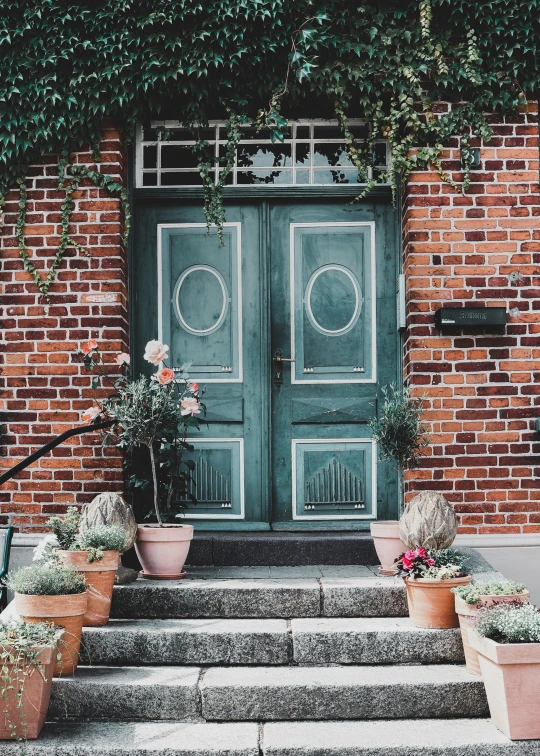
482	391
42	389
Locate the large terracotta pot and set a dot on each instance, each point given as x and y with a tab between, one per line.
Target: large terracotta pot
163	551
467	613
511	673
29	718
65	611
388	544
99	582
431	603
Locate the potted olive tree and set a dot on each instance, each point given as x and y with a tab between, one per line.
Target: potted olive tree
429	577
51	592
401	437
154	414
470	598
95	555
507	639
27	658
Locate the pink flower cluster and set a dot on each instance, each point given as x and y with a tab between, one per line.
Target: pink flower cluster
410	558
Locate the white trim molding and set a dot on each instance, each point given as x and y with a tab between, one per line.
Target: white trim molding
496	540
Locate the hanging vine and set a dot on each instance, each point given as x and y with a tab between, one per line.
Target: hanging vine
63	71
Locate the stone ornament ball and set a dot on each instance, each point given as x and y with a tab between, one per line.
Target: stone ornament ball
110	509
428	521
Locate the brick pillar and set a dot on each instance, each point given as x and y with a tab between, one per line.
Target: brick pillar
482	390
42	389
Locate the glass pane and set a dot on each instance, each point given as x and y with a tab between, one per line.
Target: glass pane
302	132
149	179
150	156
177	178
264	155
336	176
264	177
331	154
302	176
380	153
180	135
230	179
150	135
359	131
303	154
380	176
328	132
174	156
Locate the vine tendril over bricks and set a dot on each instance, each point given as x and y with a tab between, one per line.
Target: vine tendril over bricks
63	71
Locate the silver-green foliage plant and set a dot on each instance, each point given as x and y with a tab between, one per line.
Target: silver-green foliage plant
398	431
472	592
20	646
100	538
509	623
46	579
65	528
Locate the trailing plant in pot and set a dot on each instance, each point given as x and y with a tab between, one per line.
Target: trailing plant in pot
507	640
94	554
27	657
154	414
54	593
401	437
429	576
470	598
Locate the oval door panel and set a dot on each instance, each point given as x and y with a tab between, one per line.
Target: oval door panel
201	299
333	300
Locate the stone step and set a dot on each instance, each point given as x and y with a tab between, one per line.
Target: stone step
421	737
364	595
362	640
267	693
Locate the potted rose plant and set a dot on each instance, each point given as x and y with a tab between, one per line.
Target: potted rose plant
469	598
94	554
429	576
507	639
53	593
27	658
154	414
400	436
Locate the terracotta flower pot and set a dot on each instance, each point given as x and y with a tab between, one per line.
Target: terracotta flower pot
65	611
163	551
36	692
466	614
511	673
388	544
431	603
99	582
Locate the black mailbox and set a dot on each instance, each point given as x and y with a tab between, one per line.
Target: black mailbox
470	317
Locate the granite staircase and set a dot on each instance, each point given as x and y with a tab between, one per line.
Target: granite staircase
270	661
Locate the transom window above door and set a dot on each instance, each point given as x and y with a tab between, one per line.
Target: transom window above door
313	153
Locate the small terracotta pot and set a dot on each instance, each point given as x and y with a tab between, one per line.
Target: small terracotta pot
99	582
36	692
388	544
431	603
467	613
511	673
65	611
163	551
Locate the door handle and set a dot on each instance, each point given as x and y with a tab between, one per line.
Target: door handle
278	366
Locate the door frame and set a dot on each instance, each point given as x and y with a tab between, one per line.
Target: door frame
261	195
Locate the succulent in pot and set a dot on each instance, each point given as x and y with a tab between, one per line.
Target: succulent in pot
154	415
507	640
429	577
94	554
27	657
469	598
402	438
53	593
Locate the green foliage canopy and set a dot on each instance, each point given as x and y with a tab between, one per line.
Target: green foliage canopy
65	66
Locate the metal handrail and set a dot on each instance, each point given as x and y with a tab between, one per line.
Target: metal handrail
51	445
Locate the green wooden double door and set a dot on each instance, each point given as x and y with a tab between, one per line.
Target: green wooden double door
290	325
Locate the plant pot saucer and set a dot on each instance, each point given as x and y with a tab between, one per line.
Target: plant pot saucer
387	573
177	576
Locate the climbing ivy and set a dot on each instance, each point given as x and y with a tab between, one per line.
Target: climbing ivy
65	66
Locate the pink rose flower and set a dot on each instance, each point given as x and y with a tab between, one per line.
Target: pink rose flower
194	388
89	415
155	352
122	359
164	376
190	406
88	346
